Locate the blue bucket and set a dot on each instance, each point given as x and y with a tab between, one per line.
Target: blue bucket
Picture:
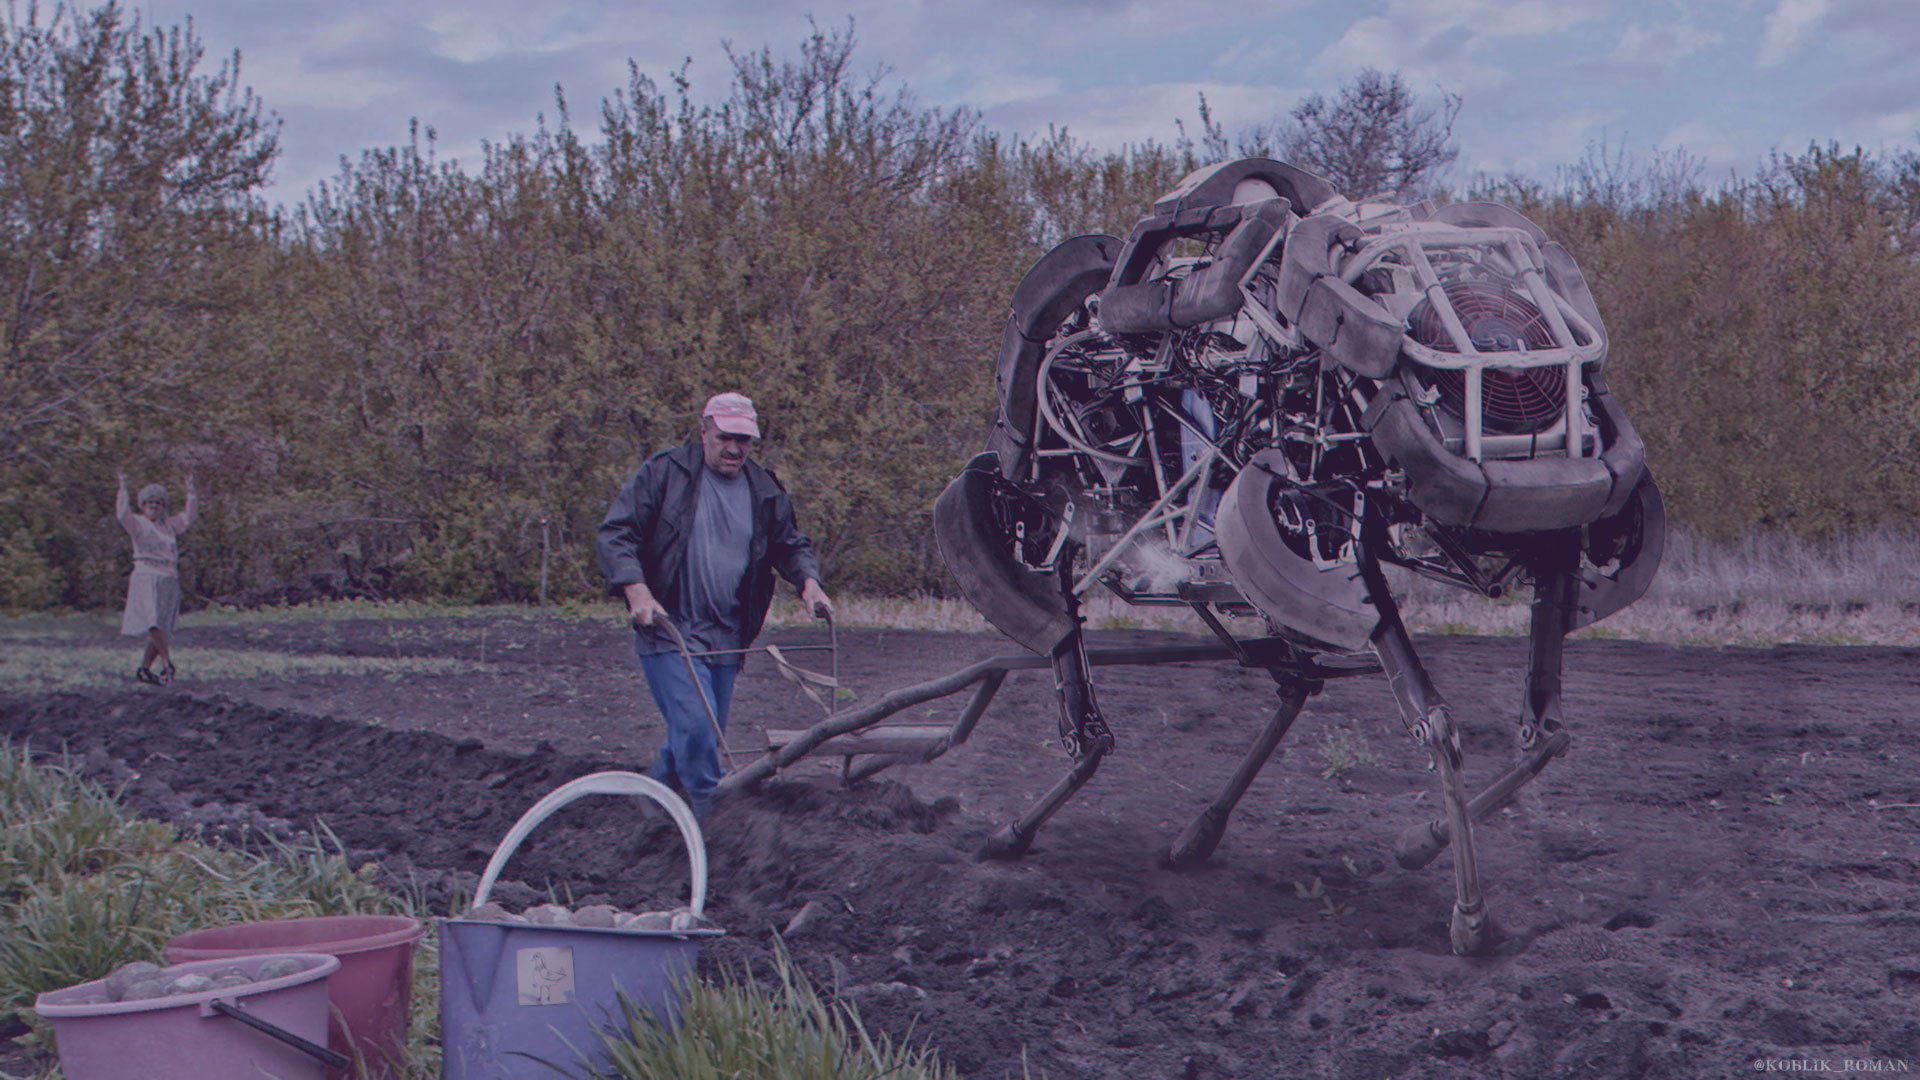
513	991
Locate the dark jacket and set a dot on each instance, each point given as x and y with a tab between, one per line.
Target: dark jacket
644	535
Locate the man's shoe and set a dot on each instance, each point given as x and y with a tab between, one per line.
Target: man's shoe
146	676
166	674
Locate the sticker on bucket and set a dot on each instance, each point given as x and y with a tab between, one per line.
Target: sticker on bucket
546	975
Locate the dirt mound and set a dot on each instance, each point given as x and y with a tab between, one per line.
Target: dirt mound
1722	870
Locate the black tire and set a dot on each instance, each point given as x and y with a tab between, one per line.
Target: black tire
1023	604
1321	608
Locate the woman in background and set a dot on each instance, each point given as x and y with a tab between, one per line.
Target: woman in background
153	590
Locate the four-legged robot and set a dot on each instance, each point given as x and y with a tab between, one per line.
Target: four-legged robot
1256	404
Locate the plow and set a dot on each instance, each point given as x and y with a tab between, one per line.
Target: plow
1251	407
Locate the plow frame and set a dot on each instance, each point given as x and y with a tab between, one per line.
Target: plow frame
859	733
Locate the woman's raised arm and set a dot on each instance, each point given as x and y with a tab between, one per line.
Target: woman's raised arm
185	517
122	508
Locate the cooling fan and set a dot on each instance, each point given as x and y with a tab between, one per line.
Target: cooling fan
1514	401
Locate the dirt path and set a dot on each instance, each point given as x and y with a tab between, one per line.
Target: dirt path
1722	871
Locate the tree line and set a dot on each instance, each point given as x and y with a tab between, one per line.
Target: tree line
422	378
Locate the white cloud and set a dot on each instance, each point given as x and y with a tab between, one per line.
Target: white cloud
1151	16
467	40
1561	139
1895	128
1112	117
1572	136
1541	79
1664	44
1011	90
1521	18
1255	55
1707	143
1788	27
1374	41
1460	44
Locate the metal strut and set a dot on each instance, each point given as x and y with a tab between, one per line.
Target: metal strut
1543	735
1197	841
1083	731
1430	722
828	736
1553	605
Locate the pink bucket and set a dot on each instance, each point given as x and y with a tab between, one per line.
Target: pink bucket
186	1037
369	993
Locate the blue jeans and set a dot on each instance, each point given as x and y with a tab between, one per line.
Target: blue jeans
690	756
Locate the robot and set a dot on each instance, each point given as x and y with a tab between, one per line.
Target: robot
1260	399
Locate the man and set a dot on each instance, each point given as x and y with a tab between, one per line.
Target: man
695	537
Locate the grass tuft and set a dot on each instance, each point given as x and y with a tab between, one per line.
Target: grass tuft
740	1029
85	886
1342	748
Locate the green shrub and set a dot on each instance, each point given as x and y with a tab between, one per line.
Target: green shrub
26	578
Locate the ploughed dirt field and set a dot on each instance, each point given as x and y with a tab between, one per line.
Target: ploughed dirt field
1721	878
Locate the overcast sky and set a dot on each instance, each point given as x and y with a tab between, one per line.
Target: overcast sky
1542	80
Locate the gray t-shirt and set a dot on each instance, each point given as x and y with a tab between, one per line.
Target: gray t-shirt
717	553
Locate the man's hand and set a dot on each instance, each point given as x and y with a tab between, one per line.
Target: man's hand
816	600
642	608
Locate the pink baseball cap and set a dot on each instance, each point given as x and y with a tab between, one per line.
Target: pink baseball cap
733	413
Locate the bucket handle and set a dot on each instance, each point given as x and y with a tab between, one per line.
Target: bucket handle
327	1057
604	783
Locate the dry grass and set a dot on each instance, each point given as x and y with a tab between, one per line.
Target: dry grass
339	609
1760	590
1879	567
1104	612
77	625
28	668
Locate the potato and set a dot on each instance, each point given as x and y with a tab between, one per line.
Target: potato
128	974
